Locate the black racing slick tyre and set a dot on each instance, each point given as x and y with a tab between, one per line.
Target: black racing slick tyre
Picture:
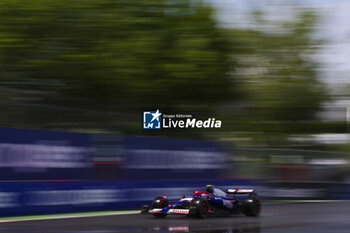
160	203
199	208
251	207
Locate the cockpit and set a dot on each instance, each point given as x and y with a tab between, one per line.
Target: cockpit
215	191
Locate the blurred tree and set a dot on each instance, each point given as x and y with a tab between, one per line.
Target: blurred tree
278	80
95	64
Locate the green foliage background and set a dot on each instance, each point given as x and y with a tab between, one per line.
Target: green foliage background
94	65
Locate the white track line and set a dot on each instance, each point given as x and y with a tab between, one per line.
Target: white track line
72	216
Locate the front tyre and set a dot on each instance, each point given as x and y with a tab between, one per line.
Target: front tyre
160	203
199	208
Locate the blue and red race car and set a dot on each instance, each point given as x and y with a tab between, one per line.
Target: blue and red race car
212	201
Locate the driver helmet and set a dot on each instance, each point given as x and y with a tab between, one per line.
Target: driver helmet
209	188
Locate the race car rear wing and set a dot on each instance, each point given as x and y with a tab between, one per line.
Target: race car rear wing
240	191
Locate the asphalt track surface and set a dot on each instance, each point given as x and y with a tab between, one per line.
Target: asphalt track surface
327	217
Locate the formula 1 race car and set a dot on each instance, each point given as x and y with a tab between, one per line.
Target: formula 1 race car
213	201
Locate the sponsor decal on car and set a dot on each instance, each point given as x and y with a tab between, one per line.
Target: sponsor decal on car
155	210
240	190
186	199
244	190
179	211
179	228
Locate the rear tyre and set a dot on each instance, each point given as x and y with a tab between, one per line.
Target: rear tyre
199	208
160	203
251	207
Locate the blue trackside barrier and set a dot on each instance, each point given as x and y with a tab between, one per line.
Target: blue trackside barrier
48	197
28	154
340	191
42	154
171	158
